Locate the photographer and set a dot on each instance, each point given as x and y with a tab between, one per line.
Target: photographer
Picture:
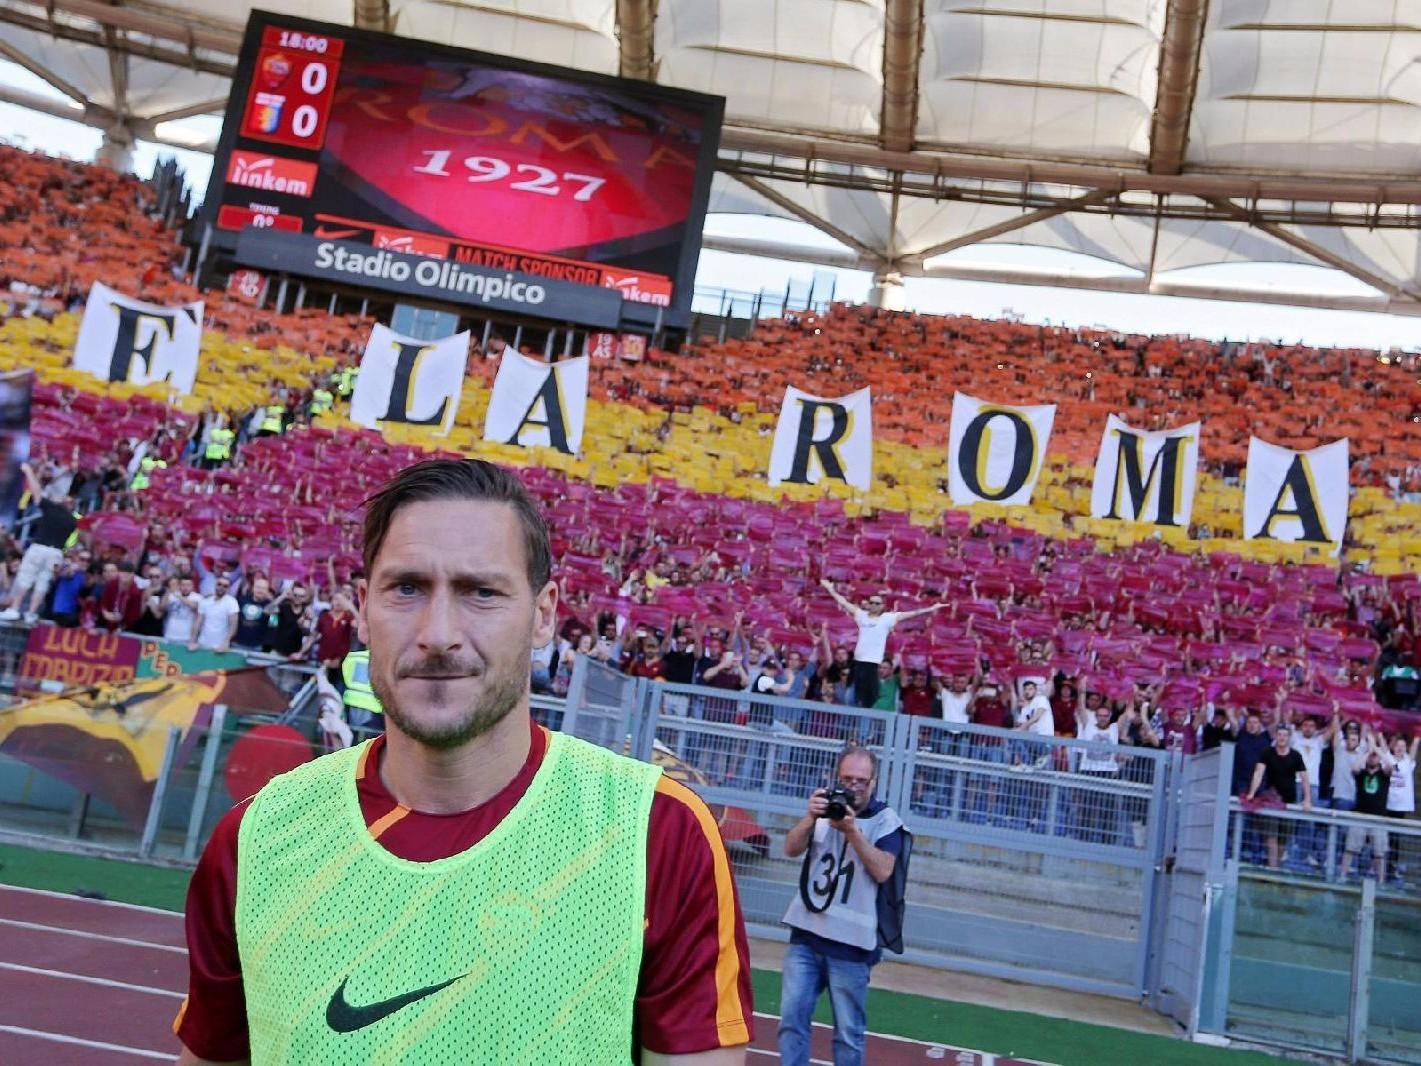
849	906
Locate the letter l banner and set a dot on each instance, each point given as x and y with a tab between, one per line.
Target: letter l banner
1296	496
403	379
823	439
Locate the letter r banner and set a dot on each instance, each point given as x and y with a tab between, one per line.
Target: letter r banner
820	439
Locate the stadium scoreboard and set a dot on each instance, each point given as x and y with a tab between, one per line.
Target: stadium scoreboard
425	170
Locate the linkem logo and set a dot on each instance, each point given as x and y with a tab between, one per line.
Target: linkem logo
270	173
640	288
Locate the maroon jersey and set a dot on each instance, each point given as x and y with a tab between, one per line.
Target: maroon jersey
694	991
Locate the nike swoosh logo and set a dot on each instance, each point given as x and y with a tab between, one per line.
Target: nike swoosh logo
344	1018
334	234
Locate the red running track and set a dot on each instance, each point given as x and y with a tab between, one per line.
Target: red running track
93	983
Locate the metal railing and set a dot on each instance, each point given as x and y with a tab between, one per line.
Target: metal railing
1118	870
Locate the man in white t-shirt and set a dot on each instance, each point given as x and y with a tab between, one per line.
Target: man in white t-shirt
874	626
1401	799
179	610
1099	822
217	617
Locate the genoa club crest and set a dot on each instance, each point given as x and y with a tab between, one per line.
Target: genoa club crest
267	116
274	70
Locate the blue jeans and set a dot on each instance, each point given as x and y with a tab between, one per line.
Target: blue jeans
806	974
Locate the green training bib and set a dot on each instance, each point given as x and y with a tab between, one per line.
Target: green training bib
526	948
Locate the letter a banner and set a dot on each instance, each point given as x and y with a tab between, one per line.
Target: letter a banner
403	379
1146	477
1296	497
994	451
538	404
821	439
126	340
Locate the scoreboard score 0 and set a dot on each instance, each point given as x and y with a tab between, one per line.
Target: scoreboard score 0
349	136
295	78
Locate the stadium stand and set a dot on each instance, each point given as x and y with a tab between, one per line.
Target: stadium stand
665	522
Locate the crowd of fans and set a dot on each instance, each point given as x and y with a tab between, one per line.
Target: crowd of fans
232	522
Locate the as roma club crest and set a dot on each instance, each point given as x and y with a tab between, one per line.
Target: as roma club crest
274	71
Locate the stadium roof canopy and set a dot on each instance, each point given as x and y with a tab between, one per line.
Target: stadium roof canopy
1154	135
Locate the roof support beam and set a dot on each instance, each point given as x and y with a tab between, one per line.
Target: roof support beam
39	70
902	55
804	215
636	33
118	74
65	31
1317	251
1008	276
1178	79
372	15
159	27
1007	226
206	107
45	105
1086	176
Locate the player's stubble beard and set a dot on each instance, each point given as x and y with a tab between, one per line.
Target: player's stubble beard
503	688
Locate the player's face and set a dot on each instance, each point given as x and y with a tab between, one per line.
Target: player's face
451	621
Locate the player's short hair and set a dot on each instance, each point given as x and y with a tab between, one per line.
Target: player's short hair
460	479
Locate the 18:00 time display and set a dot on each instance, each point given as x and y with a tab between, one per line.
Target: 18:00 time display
304	42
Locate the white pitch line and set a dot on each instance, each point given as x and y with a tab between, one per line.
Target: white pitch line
86	899
776	1055
60	1038
64	975
92	936
929	1046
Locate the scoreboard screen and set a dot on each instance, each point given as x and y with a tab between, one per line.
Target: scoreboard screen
358	139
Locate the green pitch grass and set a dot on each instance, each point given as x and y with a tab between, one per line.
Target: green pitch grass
966	1025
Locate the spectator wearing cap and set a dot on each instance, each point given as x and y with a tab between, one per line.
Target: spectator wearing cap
875	624
68	588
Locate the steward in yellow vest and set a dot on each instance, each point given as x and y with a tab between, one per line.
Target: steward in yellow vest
219	447
345	381
272	421
321	400
142	477
362	705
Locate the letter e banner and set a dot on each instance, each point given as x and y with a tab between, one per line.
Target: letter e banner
127	340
